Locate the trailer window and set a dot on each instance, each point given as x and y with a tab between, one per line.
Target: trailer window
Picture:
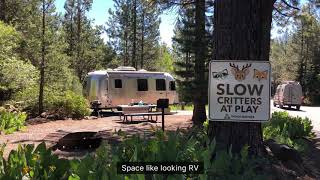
172	85
117	83
142	84
160	84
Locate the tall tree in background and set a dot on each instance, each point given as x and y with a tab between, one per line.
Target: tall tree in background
149	35
284	60
306	38
295	55
134	34
133	28
45	6
184	54
119	29
191	42
75	24
86	48
69	25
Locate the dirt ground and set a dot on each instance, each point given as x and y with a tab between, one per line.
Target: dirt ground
39	130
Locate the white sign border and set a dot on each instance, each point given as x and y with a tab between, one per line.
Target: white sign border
239	120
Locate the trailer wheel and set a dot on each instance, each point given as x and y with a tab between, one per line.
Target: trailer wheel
281	106
274	104
298	107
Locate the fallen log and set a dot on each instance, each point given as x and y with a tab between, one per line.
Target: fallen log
283	152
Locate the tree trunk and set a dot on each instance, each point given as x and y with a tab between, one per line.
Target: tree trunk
79	43
199	111
126	56
71	32
241	32
134	63
142	40
3	10
301	66
187	64
42	66
126	36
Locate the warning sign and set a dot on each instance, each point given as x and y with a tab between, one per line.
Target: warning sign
239	91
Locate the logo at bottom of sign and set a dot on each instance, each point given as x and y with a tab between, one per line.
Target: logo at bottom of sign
232	117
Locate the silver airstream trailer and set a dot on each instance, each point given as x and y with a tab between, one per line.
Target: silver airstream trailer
108	88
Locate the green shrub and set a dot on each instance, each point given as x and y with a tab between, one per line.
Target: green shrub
11	121
59	104
187	107
172	146
288	130
28	162
70	105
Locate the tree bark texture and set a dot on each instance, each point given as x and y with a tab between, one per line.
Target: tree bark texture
199	100
3	10
241	32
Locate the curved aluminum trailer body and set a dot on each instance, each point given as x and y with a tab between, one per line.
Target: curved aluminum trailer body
109	88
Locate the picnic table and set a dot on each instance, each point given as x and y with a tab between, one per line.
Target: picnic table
138	110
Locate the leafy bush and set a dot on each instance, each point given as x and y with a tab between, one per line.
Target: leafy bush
11	121
62	103
58	104
29	163
15	74
172	146
69	105
288	130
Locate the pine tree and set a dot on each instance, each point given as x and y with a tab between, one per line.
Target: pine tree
118	29
148	45
133	29
185	47
182	45
306	42
76	24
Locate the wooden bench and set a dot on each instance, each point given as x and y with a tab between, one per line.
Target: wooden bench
138	111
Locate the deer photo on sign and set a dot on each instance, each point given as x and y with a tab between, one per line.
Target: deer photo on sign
240	74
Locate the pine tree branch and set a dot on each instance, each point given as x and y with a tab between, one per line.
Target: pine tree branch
278	11
181	3
289	5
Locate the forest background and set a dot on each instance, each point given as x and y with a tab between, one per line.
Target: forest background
45	54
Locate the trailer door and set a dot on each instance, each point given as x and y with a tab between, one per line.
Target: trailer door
172	93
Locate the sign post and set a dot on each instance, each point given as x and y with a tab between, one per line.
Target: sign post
163	103
239	91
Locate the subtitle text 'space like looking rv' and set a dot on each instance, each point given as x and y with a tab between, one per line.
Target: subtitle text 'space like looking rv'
124	85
